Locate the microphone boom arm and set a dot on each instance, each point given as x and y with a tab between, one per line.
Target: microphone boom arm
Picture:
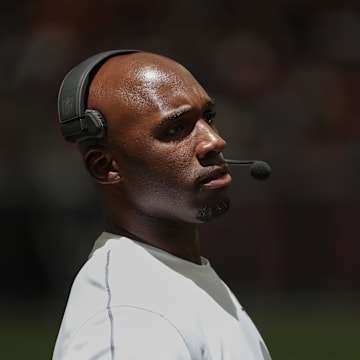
260	170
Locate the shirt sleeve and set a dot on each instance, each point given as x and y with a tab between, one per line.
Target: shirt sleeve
128	333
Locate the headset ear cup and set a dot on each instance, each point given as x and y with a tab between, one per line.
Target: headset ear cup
77	123
96	124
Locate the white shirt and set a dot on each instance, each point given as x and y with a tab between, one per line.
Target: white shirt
133	301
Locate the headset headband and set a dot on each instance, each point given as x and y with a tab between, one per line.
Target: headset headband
76	122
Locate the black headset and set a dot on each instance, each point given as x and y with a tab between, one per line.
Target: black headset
76	122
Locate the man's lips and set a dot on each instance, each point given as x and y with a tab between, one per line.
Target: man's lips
217	178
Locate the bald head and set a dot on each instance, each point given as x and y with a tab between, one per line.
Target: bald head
137	84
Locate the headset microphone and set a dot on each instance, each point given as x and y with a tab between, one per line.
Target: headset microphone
260	170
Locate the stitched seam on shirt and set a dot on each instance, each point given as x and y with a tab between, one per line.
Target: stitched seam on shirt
108	306
193	357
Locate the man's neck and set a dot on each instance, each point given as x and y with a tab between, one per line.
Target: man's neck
179	239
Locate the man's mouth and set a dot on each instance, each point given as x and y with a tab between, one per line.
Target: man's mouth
216	179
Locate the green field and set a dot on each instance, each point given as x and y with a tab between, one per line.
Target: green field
294	327
309	326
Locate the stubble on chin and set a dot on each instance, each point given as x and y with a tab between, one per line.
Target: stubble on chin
206	213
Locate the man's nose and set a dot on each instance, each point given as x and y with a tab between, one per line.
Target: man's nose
210	142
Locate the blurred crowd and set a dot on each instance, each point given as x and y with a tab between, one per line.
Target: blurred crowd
286	78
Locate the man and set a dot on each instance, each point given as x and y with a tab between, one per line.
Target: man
157	164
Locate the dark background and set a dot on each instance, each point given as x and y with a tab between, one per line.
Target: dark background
286	78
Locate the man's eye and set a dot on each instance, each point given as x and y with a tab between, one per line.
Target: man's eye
210	117
175	130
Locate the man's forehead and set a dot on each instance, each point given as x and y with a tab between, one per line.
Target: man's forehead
139	83
153	72
157	82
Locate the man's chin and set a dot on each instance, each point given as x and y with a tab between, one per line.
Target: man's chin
208	213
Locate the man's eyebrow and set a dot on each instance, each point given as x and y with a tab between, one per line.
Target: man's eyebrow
210	104
174	115
178	113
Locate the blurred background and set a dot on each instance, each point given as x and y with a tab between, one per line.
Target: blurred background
286	77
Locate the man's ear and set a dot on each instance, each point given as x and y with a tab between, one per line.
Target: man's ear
101	166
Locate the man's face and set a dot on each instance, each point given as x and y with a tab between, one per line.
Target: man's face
161	129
